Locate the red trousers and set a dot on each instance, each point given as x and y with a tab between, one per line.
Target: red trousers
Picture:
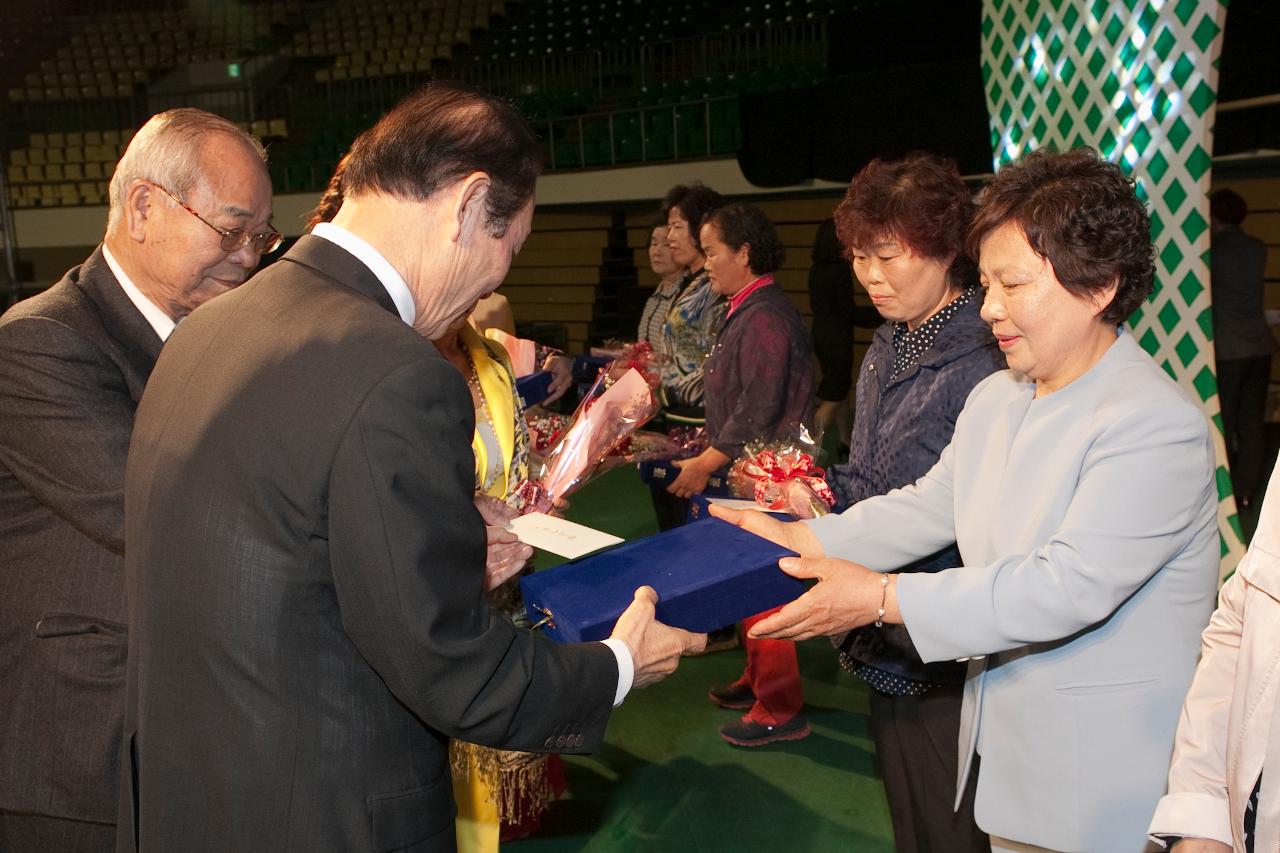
773	674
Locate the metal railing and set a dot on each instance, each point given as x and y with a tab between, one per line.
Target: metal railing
564	130
632	68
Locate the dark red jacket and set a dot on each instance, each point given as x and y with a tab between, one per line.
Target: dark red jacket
759	376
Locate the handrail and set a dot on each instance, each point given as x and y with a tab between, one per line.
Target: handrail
612	115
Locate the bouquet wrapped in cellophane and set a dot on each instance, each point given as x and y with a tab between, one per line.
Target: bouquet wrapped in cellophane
677	443
545	429
620	400
781	475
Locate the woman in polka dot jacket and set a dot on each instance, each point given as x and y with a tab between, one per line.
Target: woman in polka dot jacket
903	225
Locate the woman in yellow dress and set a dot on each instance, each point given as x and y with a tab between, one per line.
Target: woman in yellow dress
499	793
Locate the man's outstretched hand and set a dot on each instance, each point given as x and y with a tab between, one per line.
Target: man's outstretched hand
655	648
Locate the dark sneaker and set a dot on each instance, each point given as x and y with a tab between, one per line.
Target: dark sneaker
746	732
735	697
719	640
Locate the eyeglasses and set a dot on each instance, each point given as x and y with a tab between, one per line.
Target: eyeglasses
235	239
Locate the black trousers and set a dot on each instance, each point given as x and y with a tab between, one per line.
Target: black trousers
917	750
30	833
670	511
1242	393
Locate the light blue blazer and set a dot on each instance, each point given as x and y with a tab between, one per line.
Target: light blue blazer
1086	522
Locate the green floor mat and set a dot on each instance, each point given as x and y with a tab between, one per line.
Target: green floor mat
665	781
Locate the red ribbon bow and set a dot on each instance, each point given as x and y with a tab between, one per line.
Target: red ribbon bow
771	468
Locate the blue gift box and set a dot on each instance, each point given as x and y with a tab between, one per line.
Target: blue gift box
663	472
699	504
707	574
534	388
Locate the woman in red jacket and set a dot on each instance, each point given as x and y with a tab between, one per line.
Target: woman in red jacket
759	382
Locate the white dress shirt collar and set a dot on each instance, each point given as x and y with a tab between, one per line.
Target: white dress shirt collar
373	259
160	321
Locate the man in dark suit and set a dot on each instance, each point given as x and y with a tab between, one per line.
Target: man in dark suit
73	363
306	564
1242	341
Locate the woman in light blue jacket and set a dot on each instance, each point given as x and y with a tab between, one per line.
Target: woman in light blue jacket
1079	489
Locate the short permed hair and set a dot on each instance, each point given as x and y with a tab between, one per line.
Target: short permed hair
695	202
1081	214
746	225
439	134
920	201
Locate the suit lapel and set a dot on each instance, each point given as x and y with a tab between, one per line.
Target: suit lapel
331	260
120	317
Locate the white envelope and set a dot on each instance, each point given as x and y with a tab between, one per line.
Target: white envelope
566	538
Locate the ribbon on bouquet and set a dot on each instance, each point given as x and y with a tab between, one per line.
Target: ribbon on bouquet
771	468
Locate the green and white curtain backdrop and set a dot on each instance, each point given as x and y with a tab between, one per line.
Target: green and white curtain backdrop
1137	81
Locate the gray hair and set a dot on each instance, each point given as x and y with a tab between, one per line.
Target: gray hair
166	150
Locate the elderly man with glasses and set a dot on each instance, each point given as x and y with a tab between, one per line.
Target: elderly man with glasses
189	219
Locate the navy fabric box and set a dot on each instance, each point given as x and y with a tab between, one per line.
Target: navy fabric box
662	472
534	388
707	574
698	508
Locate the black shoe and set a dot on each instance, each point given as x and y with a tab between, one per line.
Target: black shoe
735	697
719	640
749	733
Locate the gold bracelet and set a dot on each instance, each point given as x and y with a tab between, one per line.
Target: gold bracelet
884	596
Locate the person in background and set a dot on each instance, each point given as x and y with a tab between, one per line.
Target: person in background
834	317
1079	488
690	329
1229	735
905	222
759	381
189	219
658	305
1242	341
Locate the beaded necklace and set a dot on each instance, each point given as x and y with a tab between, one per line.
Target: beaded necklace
474	381
489	438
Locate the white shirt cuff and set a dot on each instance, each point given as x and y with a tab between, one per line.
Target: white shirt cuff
626	669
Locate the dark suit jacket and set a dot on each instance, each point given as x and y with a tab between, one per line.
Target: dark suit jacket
305	579
73	361
1238	266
